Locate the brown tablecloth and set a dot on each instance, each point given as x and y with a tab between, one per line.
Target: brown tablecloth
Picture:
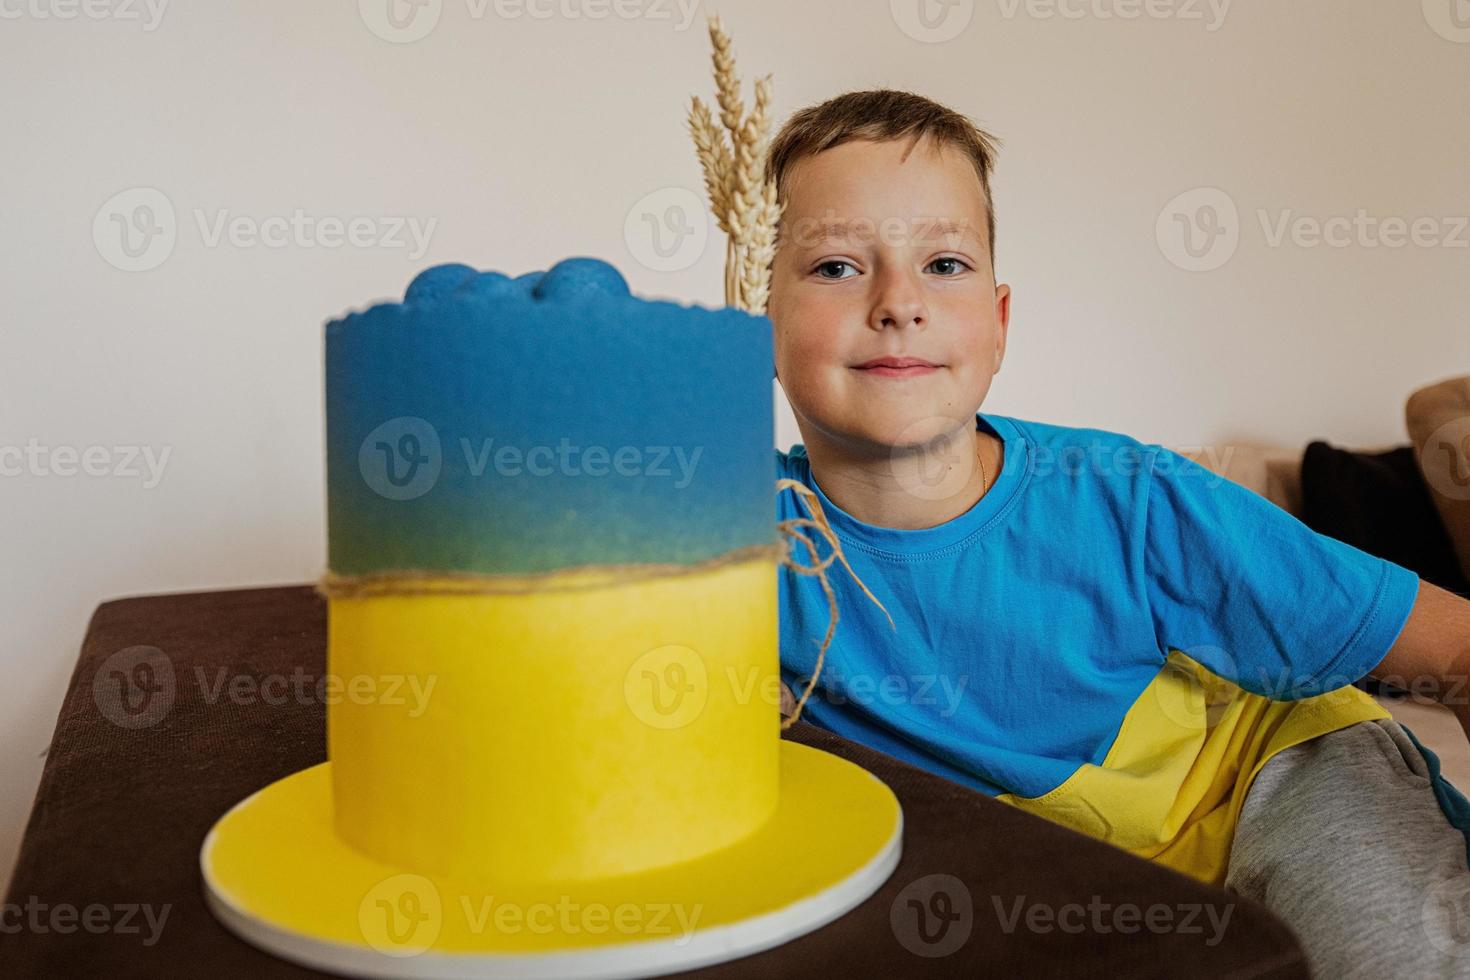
130	789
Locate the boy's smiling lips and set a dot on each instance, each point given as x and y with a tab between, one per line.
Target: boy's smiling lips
897	367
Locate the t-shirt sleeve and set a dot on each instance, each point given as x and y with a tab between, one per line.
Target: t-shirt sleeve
1253	594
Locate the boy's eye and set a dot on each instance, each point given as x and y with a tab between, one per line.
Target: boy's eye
951	261
828	265
952	268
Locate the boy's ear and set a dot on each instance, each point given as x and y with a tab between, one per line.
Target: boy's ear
1003	323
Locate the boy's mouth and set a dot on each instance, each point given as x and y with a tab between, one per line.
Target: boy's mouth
897	367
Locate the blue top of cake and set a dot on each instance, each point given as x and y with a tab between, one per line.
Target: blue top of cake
517	425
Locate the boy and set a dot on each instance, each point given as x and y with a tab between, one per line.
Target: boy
1088	627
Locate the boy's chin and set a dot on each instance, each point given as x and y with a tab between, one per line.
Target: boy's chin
906	432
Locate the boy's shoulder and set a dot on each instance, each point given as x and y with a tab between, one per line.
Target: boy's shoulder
1072	459
1056	437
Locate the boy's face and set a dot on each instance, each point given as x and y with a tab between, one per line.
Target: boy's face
896	283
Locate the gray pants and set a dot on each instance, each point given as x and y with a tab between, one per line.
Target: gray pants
1346	839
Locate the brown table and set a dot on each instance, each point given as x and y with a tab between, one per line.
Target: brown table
130	789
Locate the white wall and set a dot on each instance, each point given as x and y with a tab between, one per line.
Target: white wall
528	140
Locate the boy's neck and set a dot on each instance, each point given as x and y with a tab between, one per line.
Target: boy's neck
909	491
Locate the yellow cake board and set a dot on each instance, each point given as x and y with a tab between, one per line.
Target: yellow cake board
277	874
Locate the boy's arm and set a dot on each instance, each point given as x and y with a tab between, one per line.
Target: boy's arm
1434	646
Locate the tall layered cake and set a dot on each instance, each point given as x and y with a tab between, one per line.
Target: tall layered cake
554	747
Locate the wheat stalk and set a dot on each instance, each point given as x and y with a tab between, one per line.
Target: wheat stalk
727	83
743	201
714	160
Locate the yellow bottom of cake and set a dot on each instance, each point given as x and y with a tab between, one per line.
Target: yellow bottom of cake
557	733
276	873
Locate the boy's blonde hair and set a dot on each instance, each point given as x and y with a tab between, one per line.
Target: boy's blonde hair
880	115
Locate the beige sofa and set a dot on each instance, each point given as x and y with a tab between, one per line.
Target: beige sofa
1437	419
1274	472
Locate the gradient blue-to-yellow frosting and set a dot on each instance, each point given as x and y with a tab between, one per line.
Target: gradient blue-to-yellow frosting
498	425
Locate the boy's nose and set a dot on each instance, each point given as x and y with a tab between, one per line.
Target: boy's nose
899	304
899	313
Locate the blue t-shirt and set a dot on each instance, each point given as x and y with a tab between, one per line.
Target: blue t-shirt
1030	625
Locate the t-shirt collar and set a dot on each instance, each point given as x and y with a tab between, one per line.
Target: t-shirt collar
915	542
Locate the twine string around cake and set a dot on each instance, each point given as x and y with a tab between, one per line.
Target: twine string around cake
423	582
818	520
581	578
